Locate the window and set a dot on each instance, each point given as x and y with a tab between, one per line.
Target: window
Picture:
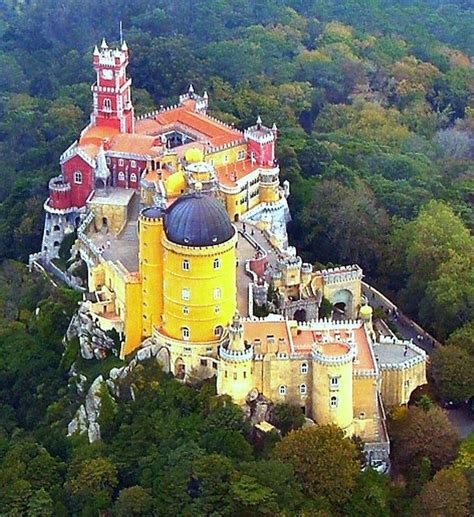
217	309
78	177
303	389
186	266
217	263
185	333
185	311
185	293
133	177
304	368
133	164
226	158
107	160
121	162
218	331
334	382
282	390
333	403
217	293
107	105
203	362
121	176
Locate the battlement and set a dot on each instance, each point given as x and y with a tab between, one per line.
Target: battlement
332	354
236	356
109	56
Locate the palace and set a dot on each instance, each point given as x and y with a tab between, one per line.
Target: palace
181	221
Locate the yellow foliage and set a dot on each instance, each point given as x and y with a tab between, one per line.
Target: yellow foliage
399	413
339	28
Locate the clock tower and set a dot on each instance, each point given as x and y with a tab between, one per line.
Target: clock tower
111	92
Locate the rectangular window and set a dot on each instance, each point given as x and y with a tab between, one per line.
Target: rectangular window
133	163
334	382
203	362
185	293
120	162
186	265
217	293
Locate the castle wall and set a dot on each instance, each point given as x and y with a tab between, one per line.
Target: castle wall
399	383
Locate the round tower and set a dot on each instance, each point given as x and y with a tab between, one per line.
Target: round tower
199	269
235	374
365	314
151	267
269	186
332	385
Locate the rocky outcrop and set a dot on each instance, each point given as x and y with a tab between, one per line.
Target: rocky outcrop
87	416
258	408
94	342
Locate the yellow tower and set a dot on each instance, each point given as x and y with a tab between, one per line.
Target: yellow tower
269	186
199	269
365	314
332	381
151	267
234	376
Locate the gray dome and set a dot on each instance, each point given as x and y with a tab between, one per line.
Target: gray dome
198	220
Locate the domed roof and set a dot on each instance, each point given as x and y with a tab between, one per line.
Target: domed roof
198	220
175	184
194	155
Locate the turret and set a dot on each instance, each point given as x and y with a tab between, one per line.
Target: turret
235	374
112	93
365	314
261	141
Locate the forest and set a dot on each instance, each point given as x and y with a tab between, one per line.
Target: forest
373	100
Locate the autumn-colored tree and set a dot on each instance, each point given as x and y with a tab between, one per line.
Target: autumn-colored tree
446	495
325	461
423	433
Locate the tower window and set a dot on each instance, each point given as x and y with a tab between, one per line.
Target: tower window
303	389
121	176
218	331
217	263
217	293
186	310
186	265
185	293
304	368
185	333
333	403
133	177
78	177
282	390
334	382
120	162
217	309
133	164
107	105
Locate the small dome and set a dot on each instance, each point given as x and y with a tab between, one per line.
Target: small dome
365	311
175	184
198	220
194	155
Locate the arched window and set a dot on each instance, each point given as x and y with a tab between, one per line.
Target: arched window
107	105
121	176
185	310
56	228
303	389
218	331
304	368
56	244
217	293
186	266
217	263
217	309
133	177
333	403
78	177
185	333
282	390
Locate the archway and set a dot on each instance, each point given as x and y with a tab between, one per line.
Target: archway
236	218
179	368
300	315
163	358
342	301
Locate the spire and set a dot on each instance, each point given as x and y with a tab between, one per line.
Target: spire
96	51
259	122
104	45
124	46
101	170
205	95
236	334
274	127
191	89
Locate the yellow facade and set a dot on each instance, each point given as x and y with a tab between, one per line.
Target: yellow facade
151	268
199	285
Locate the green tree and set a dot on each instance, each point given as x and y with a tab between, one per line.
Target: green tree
288	417
453	371
326	462
133	501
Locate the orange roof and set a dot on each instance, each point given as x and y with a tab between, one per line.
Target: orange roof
215	132
231	173
335	349
264	330
97	134
136	144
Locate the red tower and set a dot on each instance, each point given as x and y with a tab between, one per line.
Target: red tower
112	99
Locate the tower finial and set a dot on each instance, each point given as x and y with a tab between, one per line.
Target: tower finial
191	89
124	46
96	51
259	121
104	45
